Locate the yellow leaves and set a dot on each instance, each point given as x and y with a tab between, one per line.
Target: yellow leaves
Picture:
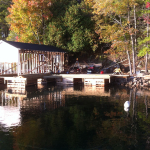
28	15
104	7
108	7
128	22
89	2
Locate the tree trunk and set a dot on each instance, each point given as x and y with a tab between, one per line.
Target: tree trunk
130	68
129	60
146	56
133	54
132	41
135	40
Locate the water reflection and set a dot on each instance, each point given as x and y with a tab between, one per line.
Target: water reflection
9	110
9	116
76	117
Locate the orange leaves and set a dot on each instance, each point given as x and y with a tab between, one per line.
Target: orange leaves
32	3
27	16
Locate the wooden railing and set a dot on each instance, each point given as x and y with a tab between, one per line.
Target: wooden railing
47	59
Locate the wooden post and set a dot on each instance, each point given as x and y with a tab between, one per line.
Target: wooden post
46	60
23	63
61	61
51	62
29	59
30	62
33	61
18	64
42	67
26	62
55	63
29	67
38	64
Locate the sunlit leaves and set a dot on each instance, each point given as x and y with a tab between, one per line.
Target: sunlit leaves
144	42
115	23
110	6
27	19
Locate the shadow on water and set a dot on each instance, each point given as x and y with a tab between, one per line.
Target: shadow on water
74	117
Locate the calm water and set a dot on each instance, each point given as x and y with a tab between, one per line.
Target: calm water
74	118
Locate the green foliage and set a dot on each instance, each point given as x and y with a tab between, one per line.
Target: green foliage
12	36
144	39
73	29
143	51
3	13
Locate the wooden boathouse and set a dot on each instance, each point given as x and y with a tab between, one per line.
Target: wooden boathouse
25	58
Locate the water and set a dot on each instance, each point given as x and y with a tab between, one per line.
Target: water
74	118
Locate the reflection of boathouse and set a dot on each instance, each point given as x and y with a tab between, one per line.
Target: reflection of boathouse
12	105
87	91
49	100
37	99
24	58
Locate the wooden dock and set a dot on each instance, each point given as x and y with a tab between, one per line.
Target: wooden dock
20	82
86	79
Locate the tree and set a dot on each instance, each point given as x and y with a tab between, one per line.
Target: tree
27	19
4	28
144	43
114	24
73	29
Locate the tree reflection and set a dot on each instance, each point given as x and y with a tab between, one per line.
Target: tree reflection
89	123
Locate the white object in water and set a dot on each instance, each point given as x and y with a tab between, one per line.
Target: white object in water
126	106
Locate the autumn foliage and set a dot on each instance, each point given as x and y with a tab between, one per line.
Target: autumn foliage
27	19
84	25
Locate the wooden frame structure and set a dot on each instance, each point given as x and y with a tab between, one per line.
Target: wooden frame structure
31	59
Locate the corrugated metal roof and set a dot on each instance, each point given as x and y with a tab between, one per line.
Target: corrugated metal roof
29	46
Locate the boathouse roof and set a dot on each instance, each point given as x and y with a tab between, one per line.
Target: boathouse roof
29	46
